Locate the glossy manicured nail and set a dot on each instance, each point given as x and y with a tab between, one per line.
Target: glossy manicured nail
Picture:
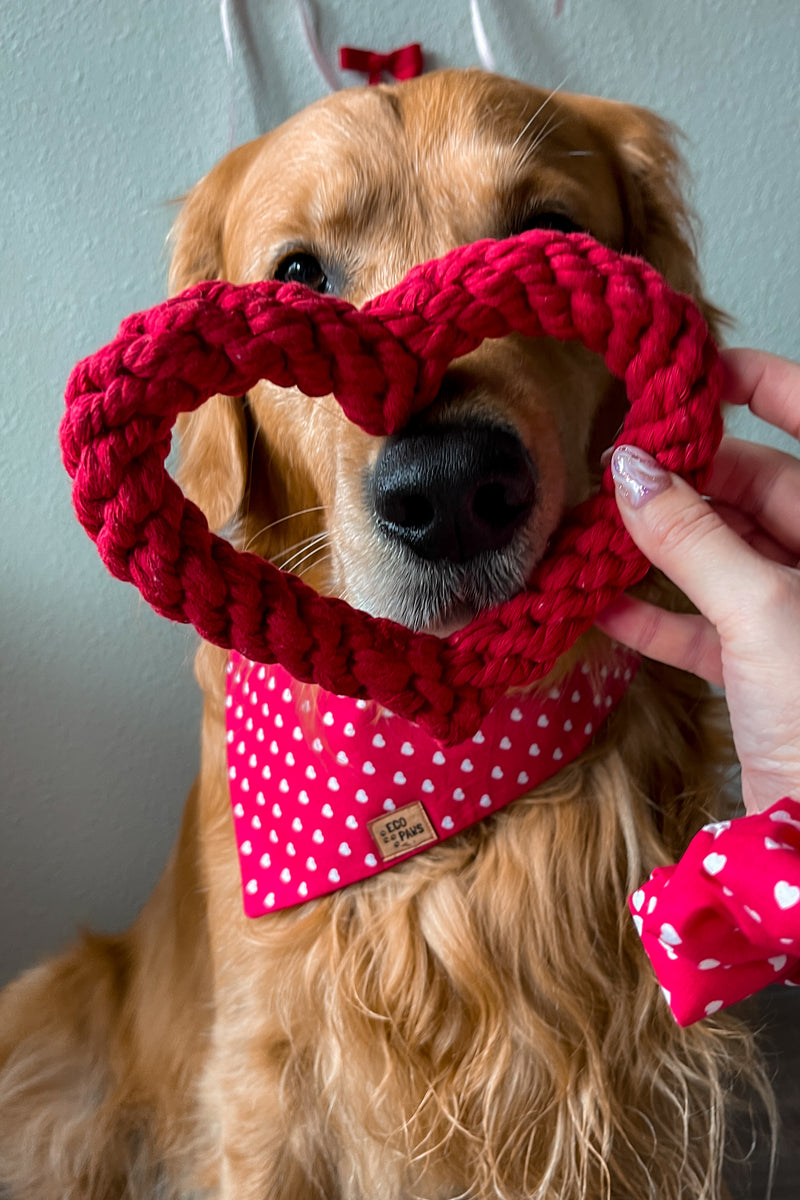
637	476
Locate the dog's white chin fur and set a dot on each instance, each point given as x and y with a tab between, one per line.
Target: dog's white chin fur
441	597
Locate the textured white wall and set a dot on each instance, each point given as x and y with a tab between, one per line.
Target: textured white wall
110	111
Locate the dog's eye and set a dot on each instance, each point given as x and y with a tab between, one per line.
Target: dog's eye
557	221
303	268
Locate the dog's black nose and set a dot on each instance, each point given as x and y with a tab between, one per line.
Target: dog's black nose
453	491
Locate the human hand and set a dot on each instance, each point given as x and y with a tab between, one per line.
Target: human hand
737	558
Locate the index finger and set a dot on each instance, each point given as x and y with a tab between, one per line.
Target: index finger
768	384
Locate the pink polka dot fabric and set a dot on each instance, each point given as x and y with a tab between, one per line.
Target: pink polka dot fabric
327	791
725	921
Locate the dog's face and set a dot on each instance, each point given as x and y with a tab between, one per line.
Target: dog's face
436	523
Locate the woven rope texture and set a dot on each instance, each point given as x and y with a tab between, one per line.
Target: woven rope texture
383	363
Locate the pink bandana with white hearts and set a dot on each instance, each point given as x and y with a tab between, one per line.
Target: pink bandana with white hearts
327	791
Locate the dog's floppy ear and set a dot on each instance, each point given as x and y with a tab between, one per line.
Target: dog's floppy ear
658	220
213	440
652	181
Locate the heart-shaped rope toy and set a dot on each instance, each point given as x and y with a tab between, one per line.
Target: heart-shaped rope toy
383	363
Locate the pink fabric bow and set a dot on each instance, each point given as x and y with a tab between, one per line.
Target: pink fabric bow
725	921
403	63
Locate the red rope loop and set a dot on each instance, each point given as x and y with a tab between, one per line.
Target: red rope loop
383	363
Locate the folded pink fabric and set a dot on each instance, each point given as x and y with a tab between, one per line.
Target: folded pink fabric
724	921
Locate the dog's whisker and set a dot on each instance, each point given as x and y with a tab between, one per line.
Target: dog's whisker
295	552
539	110
282	520
323	555
312	561
321	562
551	126
285	557
301	551
300	512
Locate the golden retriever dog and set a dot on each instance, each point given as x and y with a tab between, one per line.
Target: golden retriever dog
479	1021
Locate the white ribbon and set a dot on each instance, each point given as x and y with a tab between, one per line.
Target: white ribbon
481	40
327	71
307	18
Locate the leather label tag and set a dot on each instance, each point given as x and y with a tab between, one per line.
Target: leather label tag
399	832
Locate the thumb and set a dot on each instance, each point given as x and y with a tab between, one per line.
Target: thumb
683	536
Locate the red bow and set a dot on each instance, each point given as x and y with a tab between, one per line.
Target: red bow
404	63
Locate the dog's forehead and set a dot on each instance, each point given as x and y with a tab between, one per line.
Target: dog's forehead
440	160
450	120
447	115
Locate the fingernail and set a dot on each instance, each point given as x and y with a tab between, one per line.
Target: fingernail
637	476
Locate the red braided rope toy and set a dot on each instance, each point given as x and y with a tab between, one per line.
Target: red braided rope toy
383	362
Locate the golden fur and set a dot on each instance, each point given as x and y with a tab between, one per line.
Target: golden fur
480	1021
